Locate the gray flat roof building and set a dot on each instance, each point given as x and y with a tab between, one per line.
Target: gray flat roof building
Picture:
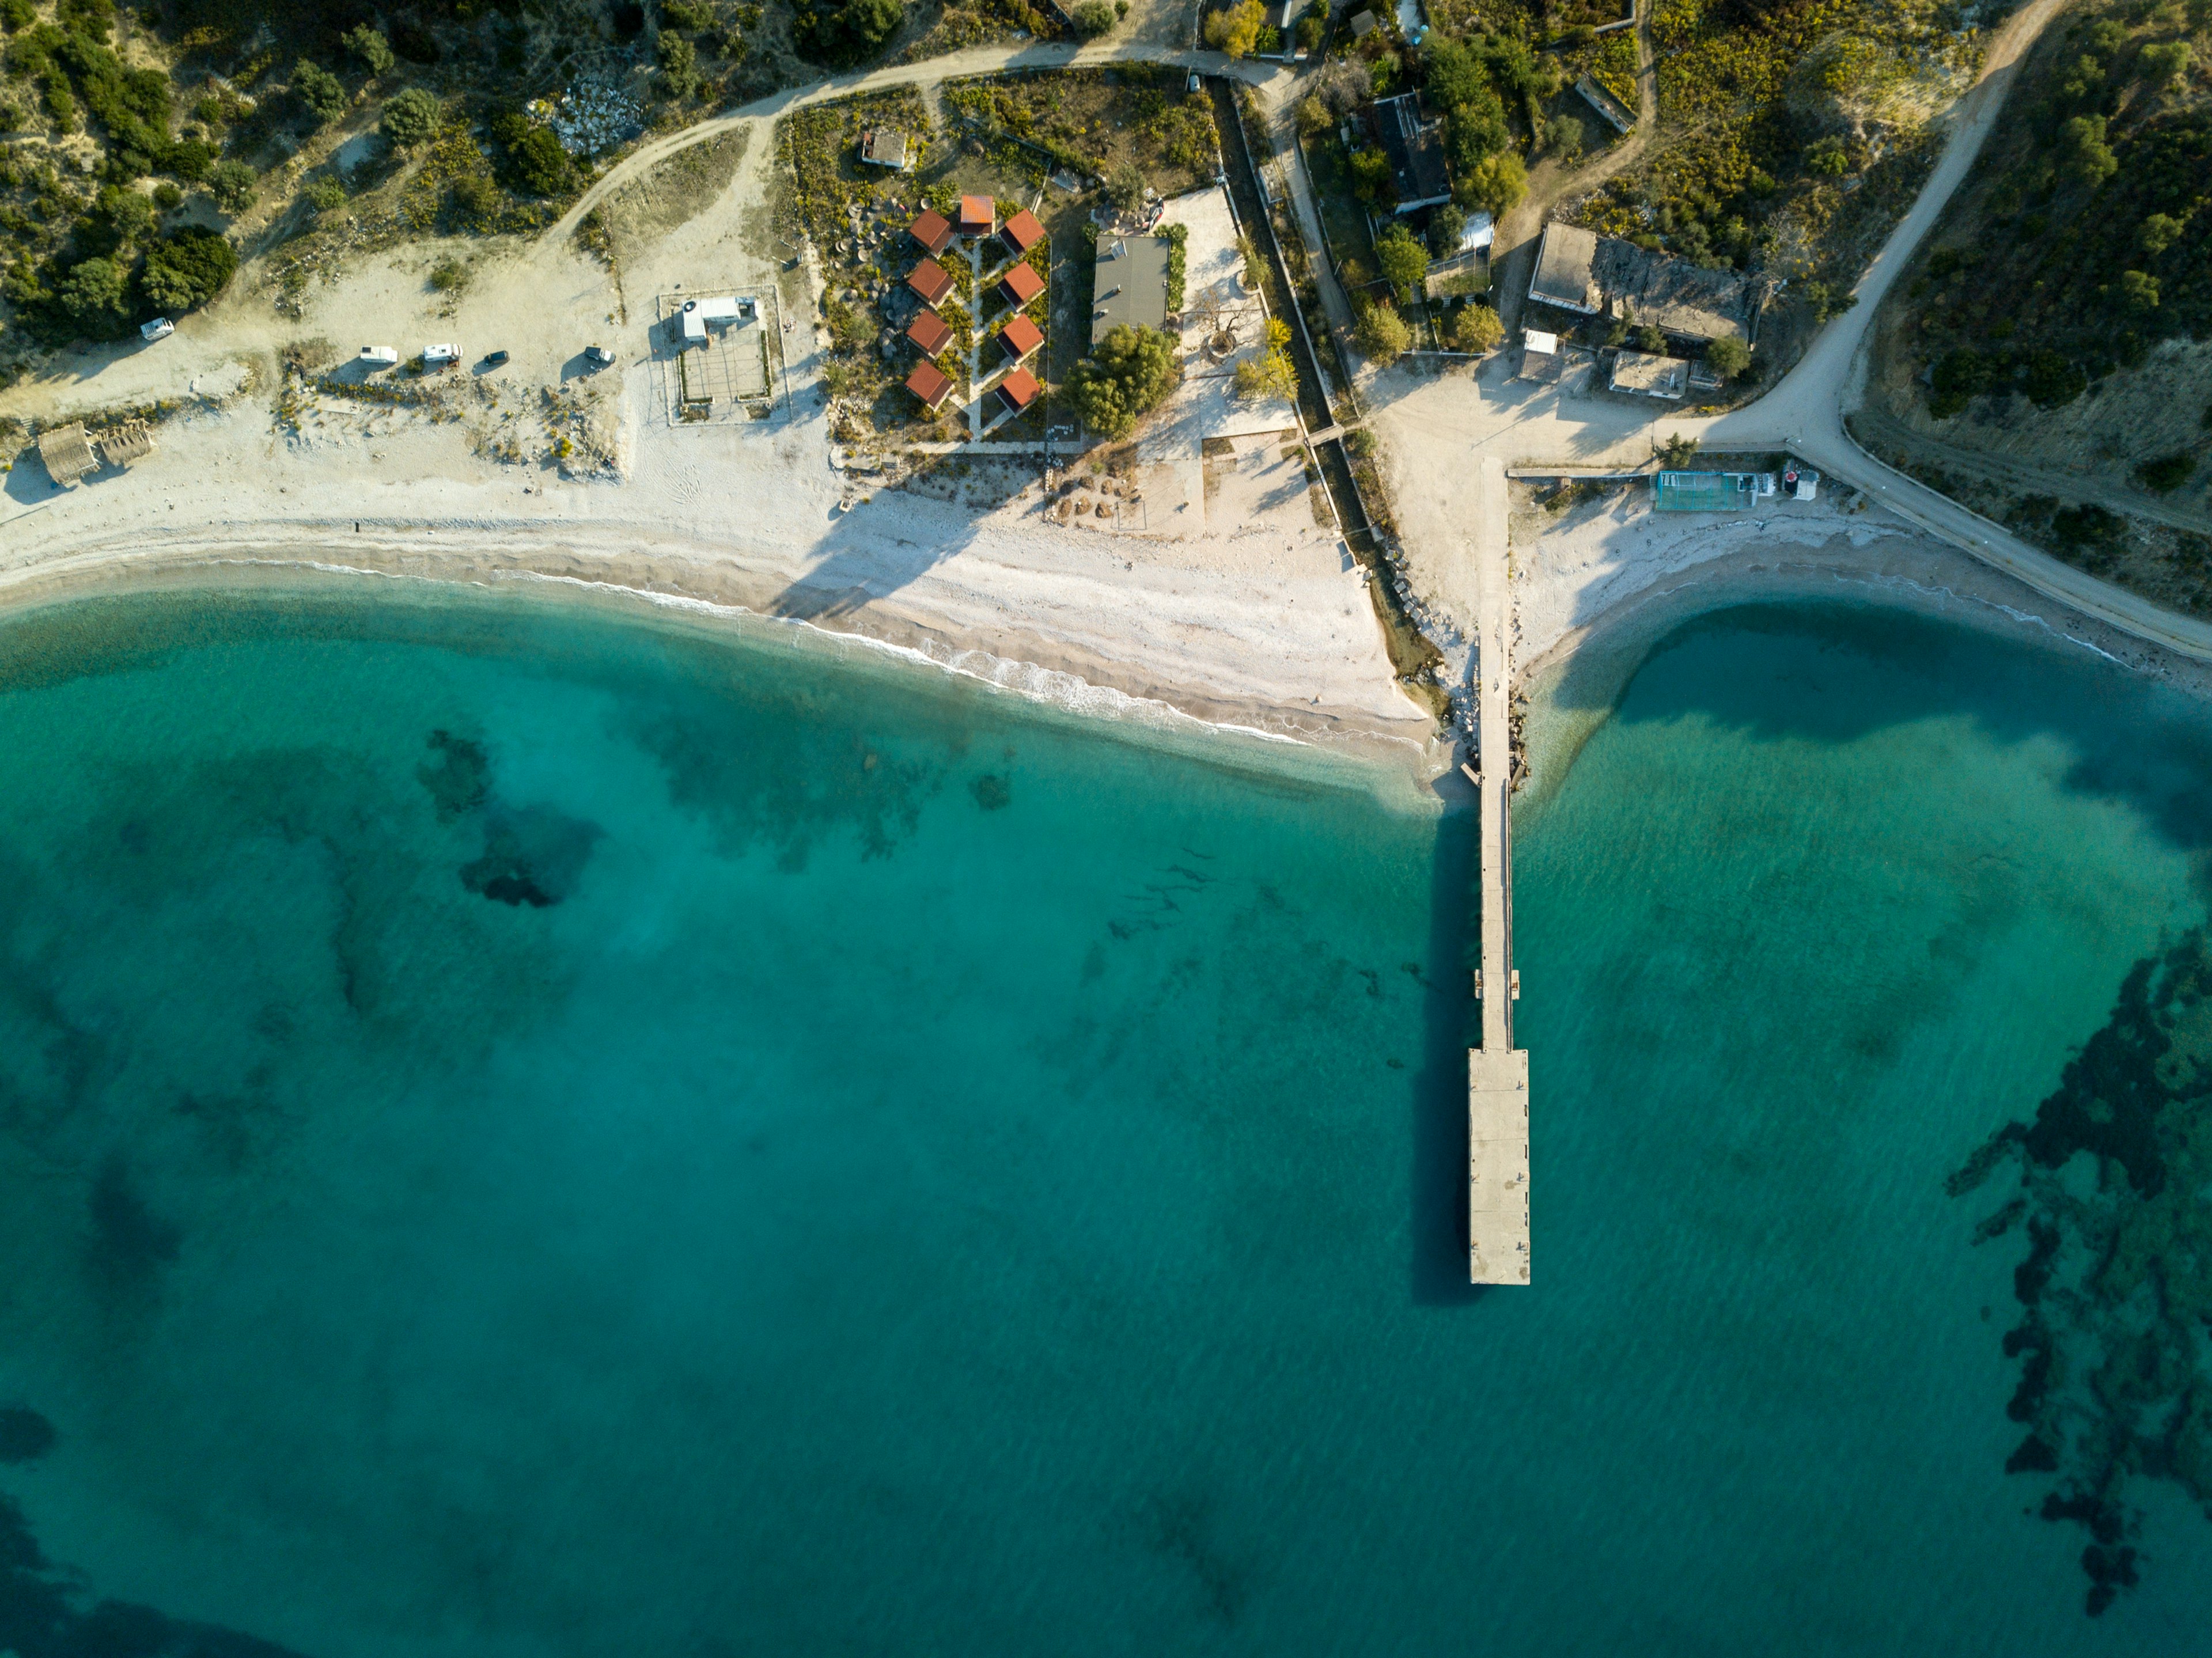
1416	149
1129	284
1580	270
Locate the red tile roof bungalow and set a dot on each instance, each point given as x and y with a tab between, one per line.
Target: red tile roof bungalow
931	384
929	280
931	332
1021	285
1021	232
1019	337
979	216
1019	390
933	230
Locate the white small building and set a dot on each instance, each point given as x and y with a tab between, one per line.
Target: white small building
1804	484
727	311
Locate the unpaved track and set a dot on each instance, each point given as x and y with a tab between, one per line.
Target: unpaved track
1552	185
976	60
1805	412
1873	420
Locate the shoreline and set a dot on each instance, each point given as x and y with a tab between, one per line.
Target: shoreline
1866	558
1344	755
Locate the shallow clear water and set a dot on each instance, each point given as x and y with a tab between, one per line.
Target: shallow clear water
527	1132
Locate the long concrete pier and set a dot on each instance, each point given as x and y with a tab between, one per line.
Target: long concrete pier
1498	1072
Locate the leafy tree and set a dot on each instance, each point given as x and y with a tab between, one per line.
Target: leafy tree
2163	64
92	292
168	198
369	45
1477	329
1678	451
1124	186
686	14
409	119
539	164
1498	185
1650	339
1728	357
188	268
1382	334
318	90
1123	379
1827	157
1271	374
1094	17
2158	233
2140	291
1564	138
1313	116
1452	75
1236	29
2089	158
1475	130
231	183
2052	380
1404	261
1370	175
2168	473
1310	28
843	35
189	159
679	65
1447	224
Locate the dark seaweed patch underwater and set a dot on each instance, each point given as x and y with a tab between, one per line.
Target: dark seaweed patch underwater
2116	1288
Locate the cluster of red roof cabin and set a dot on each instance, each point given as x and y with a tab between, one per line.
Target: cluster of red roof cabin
1019	340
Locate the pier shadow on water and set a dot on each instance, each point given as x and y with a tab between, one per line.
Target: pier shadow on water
1450	1022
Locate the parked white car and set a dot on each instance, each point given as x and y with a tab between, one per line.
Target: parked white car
382	356
160	329
437	356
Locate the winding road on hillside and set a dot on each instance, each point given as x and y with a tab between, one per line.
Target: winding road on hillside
1805	413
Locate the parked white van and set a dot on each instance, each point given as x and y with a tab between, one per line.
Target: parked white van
160	329
383	356
437	356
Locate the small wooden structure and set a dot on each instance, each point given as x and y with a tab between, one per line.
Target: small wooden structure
930	332
1021	285
885	147
931	384
1019	390
67	453
930	281
1019	339
979	216
1021	232
933	230
134	440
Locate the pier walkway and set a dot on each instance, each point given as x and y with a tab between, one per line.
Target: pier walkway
1498	1072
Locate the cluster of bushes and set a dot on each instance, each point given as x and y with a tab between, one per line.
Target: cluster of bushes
843	34
2099	212
1125	376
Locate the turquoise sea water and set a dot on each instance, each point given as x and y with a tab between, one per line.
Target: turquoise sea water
524	1132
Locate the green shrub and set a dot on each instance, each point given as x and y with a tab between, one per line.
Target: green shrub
92	292
188	268
188	160
1477	329
409	119
1447	224
1093	18
2052	380
1728	357
17	13
841	35
1310	27
1382	333
686	14
1404	261
168	198
324	193
2168	473
231	185
536	163
369	45
319	91
679	66
449	275
476	196
1124	378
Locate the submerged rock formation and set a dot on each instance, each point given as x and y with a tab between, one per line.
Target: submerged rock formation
2116	1286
